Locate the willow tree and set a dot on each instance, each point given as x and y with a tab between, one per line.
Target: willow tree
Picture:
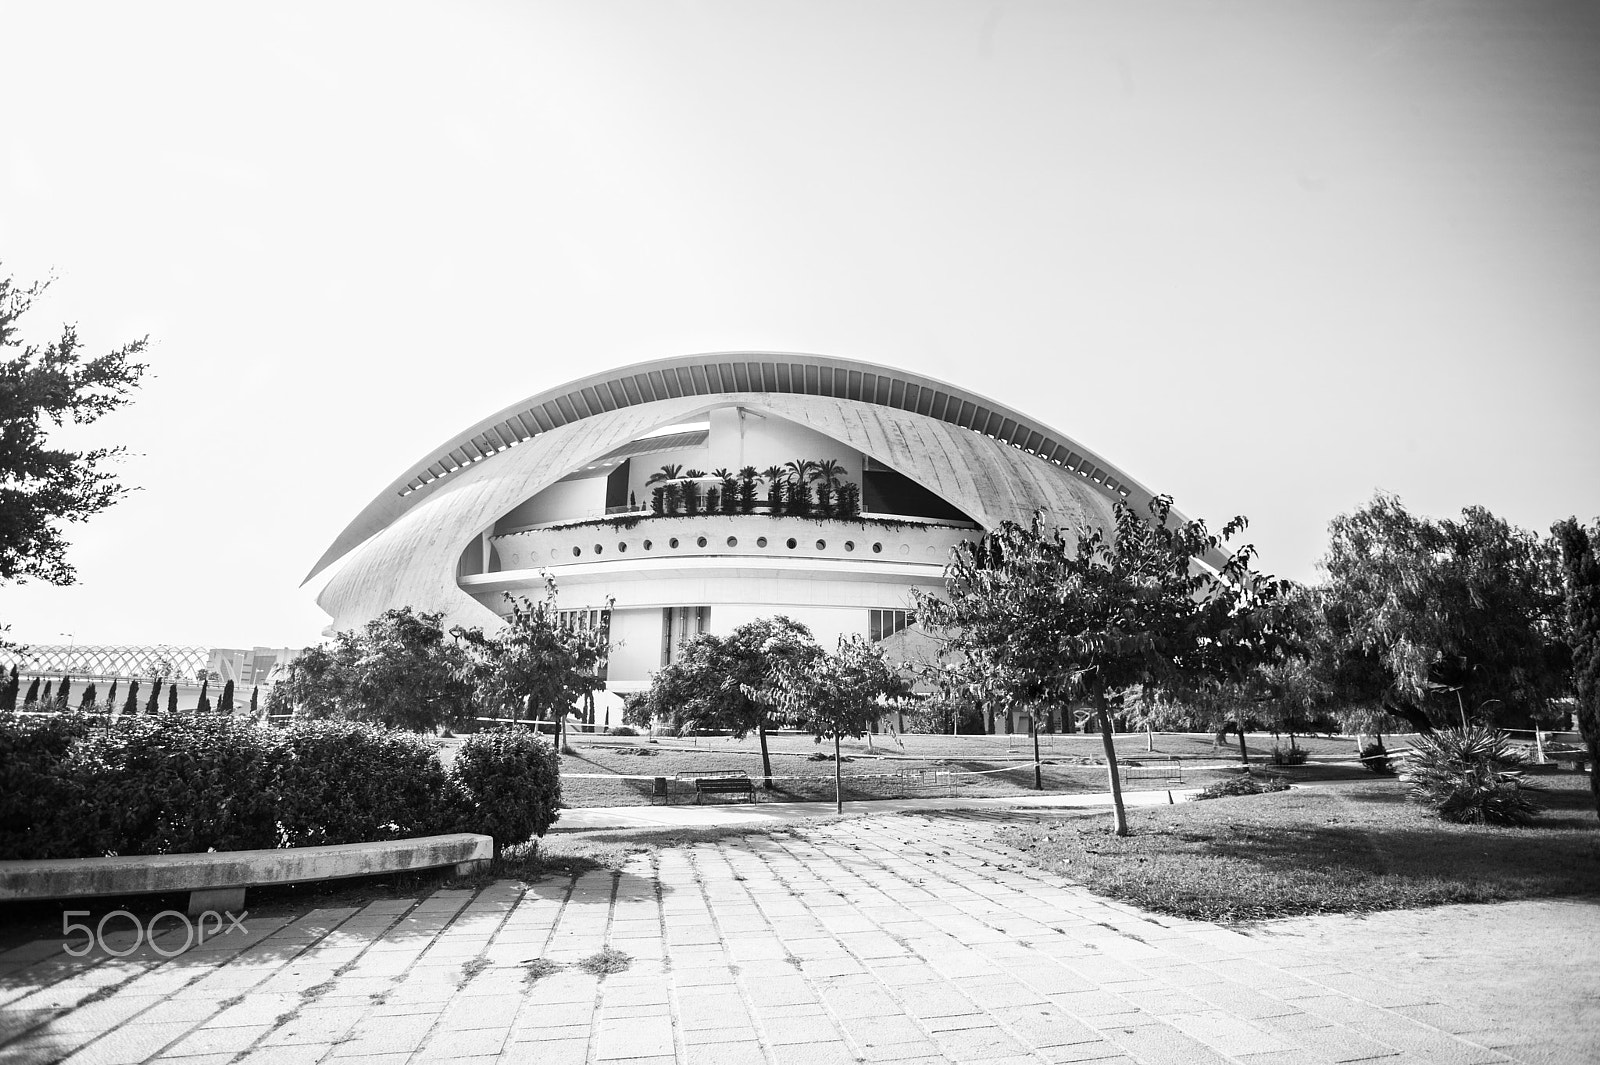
1055	619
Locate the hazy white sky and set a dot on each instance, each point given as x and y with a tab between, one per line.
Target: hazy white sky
1268	257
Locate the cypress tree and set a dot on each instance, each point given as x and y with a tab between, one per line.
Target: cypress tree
88	700
111	696
33	693
62	693
44	699
172	698
255	690
131	707
225	704
155	692
204	705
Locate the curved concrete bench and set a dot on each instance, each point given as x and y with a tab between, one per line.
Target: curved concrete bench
217	880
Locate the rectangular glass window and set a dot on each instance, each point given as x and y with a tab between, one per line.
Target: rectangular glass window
679	625
884	623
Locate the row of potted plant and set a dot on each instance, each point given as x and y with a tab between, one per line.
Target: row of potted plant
802	488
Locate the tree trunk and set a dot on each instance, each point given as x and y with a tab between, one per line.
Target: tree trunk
1150	738
766	759
1118	814
1411	715
838	786
1038	769
1244	754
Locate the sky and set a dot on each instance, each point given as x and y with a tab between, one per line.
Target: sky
1268	257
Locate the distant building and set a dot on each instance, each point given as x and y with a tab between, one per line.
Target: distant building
589	482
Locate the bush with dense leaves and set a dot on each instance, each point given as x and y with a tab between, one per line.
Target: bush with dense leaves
1288	755
510	780
1246	783
38	791
168	784
349	782
1470	776
1375	759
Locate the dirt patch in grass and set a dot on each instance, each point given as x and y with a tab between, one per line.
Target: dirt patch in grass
1355	848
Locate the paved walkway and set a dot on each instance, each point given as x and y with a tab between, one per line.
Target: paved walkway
913	940
768	814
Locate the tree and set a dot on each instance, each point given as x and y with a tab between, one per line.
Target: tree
747	489
33	693
225	703
155	693
255	692
88	701
729	682
1046	620
63	692
204	705
1466	608
172	698
43	486
8	695
400	670
1580	561
837	693
535	664
131	707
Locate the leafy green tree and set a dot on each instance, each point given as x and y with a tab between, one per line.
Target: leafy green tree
1468	610
43	486
727	682
400	670
1580	560
535	664
838	694
1048	620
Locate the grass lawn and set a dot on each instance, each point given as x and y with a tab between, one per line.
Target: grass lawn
976	765
1351	848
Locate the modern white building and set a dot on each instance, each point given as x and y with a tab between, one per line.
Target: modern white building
562	483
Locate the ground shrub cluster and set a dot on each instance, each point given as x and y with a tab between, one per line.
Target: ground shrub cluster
168	784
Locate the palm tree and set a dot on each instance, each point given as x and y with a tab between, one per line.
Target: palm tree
829	471
747	489
772	473
774	478
668	472
800	470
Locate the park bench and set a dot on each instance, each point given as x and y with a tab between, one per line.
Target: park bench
217	880
1165	770
731	782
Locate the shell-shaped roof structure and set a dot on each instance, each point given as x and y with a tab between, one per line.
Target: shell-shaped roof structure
989	460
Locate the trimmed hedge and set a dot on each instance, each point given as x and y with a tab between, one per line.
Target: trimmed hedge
171	784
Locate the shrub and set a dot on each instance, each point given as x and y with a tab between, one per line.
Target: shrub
1375	759
1287	756
38	791
509	781
622	730
1245	783
170	785
351	782
1470	776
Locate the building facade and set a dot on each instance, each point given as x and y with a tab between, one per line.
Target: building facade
618	487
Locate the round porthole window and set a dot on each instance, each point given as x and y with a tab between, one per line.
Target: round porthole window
622	547
576	551
822	545
877	549
849	545
647	545
555	553
733	541
793	543
701	542
905	549
673	543
761	541
599	550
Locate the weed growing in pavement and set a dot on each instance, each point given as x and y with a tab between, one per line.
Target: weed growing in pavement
606	961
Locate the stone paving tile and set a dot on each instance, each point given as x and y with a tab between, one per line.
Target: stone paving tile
909	939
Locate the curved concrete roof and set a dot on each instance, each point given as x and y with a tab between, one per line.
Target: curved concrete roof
414	558
750	378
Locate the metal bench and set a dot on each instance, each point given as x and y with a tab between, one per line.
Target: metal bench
721	783
1165	770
